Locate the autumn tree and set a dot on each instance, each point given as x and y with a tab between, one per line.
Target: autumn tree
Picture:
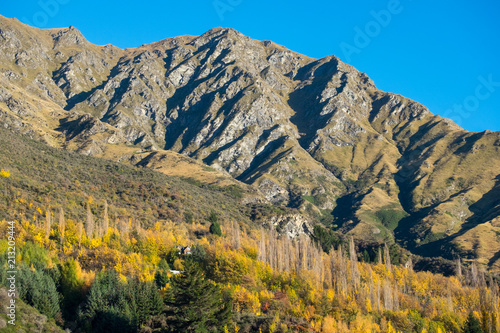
105	218
80	233
354	262
48	223
62	225
387	257
89	225
236	235
458	271
262	246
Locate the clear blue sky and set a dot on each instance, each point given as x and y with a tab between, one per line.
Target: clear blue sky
444	54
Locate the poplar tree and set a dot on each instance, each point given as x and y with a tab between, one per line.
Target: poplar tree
62	225
387	257
373	299
80	233
262	246
459	269
378	295
354	262
48	223
395	295
474	280
409	264
105	219
236	235
89	226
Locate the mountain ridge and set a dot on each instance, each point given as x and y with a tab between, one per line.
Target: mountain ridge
311	134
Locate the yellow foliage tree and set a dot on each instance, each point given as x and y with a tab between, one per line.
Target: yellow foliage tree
4	173
329	325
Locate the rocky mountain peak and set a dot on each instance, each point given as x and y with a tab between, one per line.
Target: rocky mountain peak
68	36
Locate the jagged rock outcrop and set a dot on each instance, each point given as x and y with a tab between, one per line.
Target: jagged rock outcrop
292	225
312	134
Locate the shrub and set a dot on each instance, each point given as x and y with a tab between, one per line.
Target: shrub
215	229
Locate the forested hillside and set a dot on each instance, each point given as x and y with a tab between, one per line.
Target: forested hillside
99	246
315	135
235	279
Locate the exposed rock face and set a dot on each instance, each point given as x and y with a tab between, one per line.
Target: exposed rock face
292	225
310	134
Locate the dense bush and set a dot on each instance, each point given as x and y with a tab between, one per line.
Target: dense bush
215	226
215	229
326	238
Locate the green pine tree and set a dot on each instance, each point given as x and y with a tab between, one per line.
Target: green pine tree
147	300
71	289
108	305
198	253
161	275
196	304
472	325
37	288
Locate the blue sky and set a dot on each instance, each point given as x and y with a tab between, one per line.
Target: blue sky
443	54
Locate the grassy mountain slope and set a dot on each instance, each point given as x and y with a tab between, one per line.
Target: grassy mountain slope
43	178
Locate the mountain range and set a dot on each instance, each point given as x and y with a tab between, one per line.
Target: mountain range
312	135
